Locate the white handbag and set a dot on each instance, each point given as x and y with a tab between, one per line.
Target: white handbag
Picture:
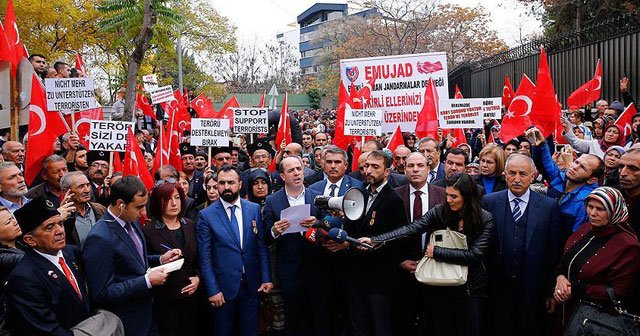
438	273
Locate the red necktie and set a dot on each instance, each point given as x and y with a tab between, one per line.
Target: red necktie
417	205
67	273
99	191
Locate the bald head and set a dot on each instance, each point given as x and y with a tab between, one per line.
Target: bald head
13	151
293	149
400	157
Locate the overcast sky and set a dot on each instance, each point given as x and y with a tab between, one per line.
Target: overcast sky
264	19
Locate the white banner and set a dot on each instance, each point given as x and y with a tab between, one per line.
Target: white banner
400	84
76	94
150	82
461	113
108	135
363	122
210	132
492	108
250	120
162	94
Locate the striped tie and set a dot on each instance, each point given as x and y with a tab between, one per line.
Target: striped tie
517	213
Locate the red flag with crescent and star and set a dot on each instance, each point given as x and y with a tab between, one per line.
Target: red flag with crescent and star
339	139
588	92
83	123
203	107
516	119
142	104
226	112
427	123
545	112
44	128
17	50
625	120
134	163
507	93
396	139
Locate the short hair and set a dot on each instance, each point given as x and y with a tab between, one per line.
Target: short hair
57	65
457	151
126	189
380	155
633	151
281	168
5	146
497	152
412	154
228	168
172	169
334	150
512	142
51	159
520	156
427	139
137	132
598	171
32	56
375	142
74	73
579	115
6	165
601	102
66	180
160	197
319	134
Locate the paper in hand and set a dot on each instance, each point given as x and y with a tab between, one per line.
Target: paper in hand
169	267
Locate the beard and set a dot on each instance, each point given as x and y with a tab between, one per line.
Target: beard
230	196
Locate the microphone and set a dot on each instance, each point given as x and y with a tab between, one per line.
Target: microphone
315	235
328	223
340	236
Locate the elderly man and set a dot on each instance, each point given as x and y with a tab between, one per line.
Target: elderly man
47	292
14	151
54	167
429	148
528	248
87	214
221	156
630	184
195	178
399	157
201	160
98	162
12	187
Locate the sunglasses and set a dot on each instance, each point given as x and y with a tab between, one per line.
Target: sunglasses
161	182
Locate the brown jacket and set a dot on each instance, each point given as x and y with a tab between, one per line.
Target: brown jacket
70	224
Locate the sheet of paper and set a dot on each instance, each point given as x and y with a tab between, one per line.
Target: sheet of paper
169	267
295	215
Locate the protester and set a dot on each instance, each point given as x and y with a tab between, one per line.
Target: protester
630	184
54	167
399	157
87	213
12	187
194	177
99	163
201	161
613	136
429	148
10	255
455	162
611	160
13	151
258	190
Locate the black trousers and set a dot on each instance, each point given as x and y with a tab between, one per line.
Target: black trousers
370	312
452	311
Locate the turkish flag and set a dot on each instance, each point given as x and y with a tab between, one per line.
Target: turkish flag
203	107
17	49
588	92
507	93
625	120
357	151
117	163
83	123
396	139
44	128
364	94
226	112
545	113
142	104
427	123
134	163
284	124
339	139
516	120
179	118
353	97
6	52
458	94
458	138
263	100
80	64
169	151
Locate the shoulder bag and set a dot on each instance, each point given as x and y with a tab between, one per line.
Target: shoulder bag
591	319
438	273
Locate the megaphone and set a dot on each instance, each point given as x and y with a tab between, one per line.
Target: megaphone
351	204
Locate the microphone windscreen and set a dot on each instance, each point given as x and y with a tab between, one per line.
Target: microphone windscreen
310	235
337	235
332	222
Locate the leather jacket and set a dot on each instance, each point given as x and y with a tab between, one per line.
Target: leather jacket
474	257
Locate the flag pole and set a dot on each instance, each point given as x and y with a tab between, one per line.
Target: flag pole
209	158
111	165
15	107
161	139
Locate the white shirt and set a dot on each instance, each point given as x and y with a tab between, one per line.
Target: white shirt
123	223
524	200
432	177
327	187
293	201
55	260
237	213
425	204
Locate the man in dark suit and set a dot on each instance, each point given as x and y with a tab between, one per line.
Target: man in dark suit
299	264
418	197
234	259
99	162
455	162
395	180
116	259
429	148
47	293
373	274
87	213
522	262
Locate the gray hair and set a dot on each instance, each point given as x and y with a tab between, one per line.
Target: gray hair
425	140
66	182
6	165
601	102
520	156
334	150
419	155
51	159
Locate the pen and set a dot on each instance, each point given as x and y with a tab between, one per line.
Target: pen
166	246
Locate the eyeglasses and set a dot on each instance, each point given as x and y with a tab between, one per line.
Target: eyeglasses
100	165
161	182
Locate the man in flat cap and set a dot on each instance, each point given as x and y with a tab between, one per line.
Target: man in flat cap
47	293
99	162
261	154
195	177
221	156
201	161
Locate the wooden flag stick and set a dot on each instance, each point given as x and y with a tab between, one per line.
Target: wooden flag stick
210	158
111	165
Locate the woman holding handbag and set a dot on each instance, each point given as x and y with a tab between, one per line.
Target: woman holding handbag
599	265
454	309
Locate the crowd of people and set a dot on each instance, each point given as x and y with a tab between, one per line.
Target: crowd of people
547	226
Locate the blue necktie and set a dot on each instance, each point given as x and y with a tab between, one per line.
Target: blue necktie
517	213
234	223
332	191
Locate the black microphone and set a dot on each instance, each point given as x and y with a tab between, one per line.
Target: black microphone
340	236
328	223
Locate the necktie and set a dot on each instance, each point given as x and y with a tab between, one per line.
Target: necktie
517	213
99	191
417	205
332	191
234	223
432	175
67	274
136	241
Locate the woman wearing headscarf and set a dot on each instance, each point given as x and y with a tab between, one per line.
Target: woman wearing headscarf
611	177
259	187
602	254
613	136
410	140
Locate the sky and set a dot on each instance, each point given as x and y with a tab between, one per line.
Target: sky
262	20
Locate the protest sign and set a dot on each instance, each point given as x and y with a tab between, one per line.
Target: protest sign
210	132
461	113
400	84
150	82
109	135
492	108
363	122
250	120
162	94
75	94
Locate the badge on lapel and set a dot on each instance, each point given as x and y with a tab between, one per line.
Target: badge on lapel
255	227
373	218
52	274
75	266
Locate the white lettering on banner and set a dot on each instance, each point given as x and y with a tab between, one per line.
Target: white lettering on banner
162	94
108	135
250	120
400	84
362	122
75	94
467	113
210	132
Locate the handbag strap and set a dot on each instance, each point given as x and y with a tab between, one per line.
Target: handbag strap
618	306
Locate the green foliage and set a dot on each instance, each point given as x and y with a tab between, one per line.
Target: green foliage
314	98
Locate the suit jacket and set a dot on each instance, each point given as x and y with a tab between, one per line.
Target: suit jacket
499	184
199	194
41	300
102	199
441	183
394	179
347	183
543	246
222	259
413	248
313	177
440	174
116	274
70	231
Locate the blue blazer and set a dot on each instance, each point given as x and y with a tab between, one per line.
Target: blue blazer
347	183
41	300
115	274
220	256
543	245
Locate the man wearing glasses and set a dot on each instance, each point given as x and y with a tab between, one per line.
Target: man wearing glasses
98	162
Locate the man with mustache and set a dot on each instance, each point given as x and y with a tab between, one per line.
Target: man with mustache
12	186
630	184
195	177
13	151
529	244
53	168
98	162
88	213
